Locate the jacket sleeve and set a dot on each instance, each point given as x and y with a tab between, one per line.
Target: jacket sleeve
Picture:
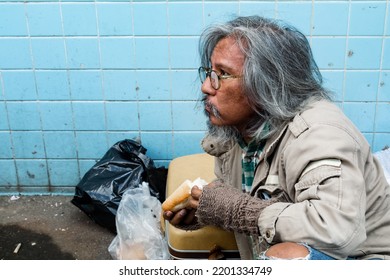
324	170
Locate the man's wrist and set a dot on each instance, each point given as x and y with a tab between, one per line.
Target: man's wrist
230	209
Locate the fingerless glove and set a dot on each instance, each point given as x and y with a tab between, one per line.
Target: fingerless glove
231	209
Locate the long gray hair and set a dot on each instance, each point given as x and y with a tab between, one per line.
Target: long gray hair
281	77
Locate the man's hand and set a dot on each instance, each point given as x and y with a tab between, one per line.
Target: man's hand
187	215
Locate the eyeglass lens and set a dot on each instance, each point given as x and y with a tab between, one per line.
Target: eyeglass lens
204	73
214	80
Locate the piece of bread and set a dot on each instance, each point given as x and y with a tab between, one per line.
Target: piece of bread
179	199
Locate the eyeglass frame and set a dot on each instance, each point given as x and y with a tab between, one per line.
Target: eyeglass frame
209	72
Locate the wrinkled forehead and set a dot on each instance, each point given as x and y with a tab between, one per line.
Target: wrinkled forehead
227	53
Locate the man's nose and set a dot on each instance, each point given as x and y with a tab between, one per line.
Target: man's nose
206	87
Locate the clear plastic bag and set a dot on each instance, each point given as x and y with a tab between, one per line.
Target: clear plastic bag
139	234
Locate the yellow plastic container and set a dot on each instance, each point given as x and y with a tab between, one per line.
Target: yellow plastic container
201	243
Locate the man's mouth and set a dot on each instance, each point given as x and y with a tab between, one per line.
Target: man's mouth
210	109
207	108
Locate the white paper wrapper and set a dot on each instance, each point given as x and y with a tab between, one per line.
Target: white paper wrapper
199	182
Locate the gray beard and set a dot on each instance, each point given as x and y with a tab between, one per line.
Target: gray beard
222	133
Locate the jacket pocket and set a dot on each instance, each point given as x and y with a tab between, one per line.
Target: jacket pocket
271	188
314	176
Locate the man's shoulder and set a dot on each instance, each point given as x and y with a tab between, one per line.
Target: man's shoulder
325	118
324	113
323	109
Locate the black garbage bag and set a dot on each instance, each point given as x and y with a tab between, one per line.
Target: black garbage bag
124	166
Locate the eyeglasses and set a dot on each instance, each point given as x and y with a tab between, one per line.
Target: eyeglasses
205	72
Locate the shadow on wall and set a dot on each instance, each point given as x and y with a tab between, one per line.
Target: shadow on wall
35	246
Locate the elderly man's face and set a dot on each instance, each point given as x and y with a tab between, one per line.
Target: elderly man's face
228	105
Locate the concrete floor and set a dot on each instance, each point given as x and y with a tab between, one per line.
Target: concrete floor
49	227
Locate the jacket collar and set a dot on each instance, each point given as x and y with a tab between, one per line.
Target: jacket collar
211	145
272	142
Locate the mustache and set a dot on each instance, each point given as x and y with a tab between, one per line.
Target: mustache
211	109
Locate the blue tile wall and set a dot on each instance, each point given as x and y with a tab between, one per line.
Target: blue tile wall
32	173
184	53
361	86
362	114
364	53
61	172
51	26
185	18
372	12
144	12
15	53
56	115
382	123
5	148
384	87
60	144
28	145
215	12
296	12
13	20
330	18
85	85
154	85
119	85
116	53
386	54
262	8
91	144
76	76
152	52
185	84
83	53
164	149
79	19
334	81
187	116
19	85
122	116
155	116
20	112
9	181
114	19
329	52
52	84
89	116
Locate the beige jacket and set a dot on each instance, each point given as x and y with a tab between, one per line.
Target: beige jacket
340	199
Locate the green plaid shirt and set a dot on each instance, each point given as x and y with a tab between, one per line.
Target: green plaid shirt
250	158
